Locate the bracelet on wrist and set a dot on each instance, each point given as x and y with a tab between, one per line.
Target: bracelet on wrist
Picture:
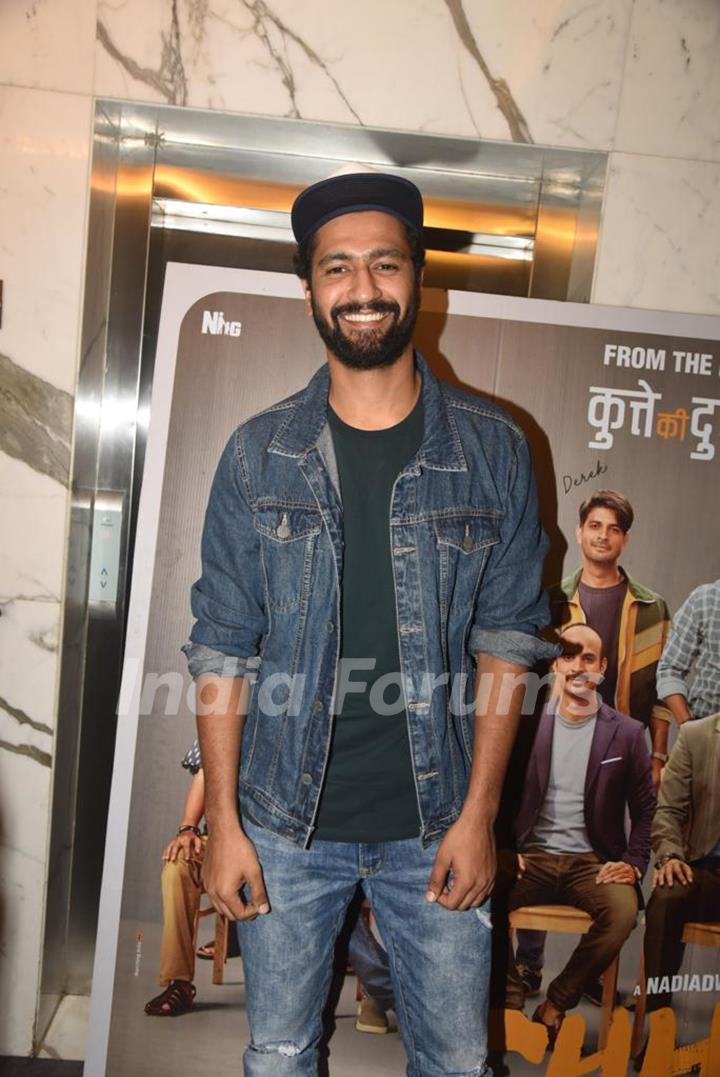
662	860
189	827
662	756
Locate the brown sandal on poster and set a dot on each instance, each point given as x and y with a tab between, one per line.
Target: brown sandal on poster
177	998
206	951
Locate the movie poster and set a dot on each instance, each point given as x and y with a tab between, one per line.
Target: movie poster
613	399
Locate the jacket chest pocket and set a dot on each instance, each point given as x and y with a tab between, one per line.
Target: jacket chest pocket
464	544
288	538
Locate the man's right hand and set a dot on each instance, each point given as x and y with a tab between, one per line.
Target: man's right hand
671	872
231	862
187	845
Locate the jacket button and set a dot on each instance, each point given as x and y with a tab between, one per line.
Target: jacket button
317	706
306	779
330	626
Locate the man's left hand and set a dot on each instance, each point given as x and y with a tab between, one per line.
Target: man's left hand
468	851
616	871
657	769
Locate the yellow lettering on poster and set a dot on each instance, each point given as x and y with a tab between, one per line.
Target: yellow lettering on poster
671	424
662	1057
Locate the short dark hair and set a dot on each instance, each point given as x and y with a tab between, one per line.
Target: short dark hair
302	258
609	499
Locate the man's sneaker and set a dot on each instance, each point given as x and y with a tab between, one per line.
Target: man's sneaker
370	1017
531	980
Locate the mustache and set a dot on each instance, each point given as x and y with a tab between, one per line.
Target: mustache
374	306
585	678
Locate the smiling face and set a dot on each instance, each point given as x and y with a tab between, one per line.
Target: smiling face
580	673
363	291
601	538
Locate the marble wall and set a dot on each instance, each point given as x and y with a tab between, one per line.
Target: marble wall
44	142
637	78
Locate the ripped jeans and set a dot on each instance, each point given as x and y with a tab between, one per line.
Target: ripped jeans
439	960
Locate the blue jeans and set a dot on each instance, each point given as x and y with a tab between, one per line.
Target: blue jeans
439	960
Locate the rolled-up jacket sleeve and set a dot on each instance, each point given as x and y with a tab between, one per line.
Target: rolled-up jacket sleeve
512	606
228	600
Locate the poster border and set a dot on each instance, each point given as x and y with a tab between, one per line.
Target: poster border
191	283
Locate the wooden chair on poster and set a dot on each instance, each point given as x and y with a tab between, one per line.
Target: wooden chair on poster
221	940
567	919
694	934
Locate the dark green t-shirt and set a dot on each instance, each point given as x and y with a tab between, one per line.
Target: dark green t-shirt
369	792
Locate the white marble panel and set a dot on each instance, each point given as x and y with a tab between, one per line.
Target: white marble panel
22	883
32	551
29	644
27	691
670	103
25	783
44	147
545	73
562	63
31	564
658	240
48	45
32	555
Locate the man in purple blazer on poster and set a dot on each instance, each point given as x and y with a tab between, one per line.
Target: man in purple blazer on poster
588	763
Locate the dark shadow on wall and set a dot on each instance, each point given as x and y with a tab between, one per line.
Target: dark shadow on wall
428	338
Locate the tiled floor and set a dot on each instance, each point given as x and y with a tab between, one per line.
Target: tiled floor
68	1029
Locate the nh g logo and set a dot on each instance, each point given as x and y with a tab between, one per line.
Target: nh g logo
213	322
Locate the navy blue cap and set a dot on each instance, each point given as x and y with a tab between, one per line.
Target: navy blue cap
353	193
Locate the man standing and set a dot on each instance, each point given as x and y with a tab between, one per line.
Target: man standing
587	765
686	842
379	521
693	647
632	621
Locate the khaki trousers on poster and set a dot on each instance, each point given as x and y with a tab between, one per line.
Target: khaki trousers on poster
181	892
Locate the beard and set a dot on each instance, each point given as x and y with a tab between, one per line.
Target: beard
373	348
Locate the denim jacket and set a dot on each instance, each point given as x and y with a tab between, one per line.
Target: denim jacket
467	557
